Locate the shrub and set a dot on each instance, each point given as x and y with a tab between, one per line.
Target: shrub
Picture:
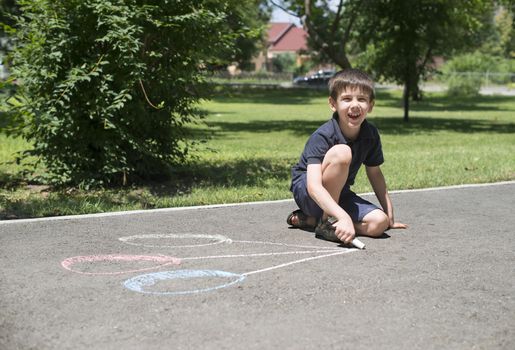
466	84
106	87
285	62
466	73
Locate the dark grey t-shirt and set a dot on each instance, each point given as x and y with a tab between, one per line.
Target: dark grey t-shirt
366	149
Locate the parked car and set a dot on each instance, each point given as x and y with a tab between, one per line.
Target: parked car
319	78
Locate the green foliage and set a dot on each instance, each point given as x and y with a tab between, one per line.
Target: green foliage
465	84
253	15
257	134
106	87
504	26
403	36
304	67
395	40
466	73
471	62
498	35
330	27
407	34
8	9
285	62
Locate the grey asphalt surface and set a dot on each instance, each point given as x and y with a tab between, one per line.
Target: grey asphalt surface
447	282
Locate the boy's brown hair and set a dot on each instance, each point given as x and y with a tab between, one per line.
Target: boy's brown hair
351	78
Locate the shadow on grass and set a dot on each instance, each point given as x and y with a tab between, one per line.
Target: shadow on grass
42	204
278	96
386	98
386	125
296	126
185	179
248	172
440	103
8	180
395	126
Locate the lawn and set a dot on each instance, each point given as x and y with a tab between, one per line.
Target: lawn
253	137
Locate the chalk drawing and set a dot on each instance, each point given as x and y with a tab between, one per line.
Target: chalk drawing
141	283
299	261
160	260
288	245
156	283
213	239
138	283
253	255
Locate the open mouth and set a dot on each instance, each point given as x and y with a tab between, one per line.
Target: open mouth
353	116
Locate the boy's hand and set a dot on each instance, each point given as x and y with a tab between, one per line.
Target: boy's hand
397	225
344	230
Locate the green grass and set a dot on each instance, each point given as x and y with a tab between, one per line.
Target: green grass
255	136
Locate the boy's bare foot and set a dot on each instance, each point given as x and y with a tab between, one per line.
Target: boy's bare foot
300	220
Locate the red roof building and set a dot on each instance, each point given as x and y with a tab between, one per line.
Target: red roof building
286	37
282	38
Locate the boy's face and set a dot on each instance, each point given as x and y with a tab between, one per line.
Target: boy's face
352	106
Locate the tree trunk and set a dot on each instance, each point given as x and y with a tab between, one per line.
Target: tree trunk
406	101
342	60
416	94
336	53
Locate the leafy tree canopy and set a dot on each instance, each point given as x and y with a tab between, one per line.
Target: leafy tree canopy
329	25
105	87
395	39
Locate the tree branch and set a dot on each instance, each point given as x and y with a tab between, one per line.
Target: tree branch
285	9
337	56
338	18
307	8
352	16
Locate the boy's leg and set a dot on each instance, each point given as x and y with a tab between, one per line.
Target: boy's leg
373	224
335	170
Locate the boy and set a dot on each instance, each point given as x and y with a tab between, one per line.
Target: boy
331	159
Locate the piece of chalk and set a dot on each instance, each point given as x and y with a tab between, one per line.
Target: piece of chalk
355	242
358	244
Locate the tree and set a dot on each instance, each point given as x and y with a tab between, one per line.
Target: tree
106	87
8	9
396	39
253	15
403	36
329	27
285	62
505	30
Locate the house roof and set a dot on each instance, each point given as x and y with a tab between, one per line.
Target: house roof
286	37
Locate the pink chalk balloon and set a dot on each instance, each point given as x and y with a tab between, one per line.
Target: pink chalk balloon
160	260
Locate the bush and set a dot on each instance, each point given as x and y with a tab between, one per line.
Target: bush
285	62
106	87
465	73
463	84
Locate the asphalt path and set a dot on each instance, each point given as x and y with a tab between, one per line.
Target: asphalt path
236	277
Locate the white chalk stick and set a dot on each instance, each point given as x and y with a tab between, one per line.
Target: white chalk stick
358	244
355	242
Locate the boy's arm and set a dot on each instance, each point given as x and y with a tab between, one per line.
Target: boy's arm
376	178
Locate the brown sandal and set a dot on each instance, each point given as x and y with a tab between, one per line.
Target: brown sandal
301	218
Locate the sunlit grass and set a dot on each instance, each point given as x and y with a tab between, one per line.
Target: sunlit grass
255	136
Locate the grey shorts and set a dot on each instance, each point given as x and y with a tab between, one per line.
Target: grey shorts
353	204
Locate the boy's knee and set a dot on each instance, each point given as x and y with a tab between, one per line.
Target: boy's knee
339	154
377	223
